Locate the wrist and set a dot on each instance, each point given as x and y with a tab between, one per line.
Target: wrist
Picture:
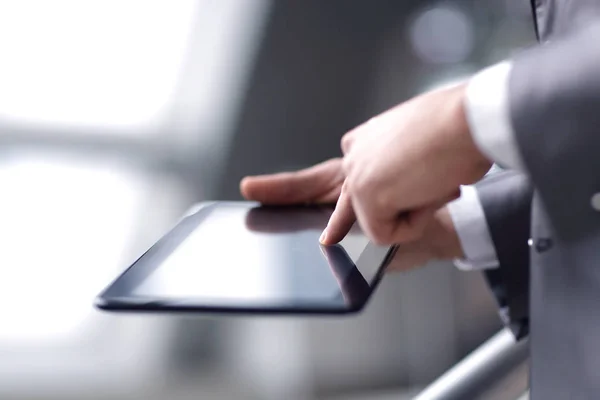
477	162
445	243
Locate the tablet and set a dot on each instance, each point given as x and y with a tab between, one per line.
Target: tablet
246	258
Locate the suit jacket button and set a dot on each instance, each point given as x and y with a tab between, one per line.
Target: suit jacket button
543	244
595	201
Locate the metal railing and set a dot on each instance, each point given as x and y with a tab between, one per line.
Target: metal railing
482	370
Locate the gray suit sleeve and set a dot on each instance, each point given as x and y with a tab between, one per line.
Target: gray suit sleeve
554	97
506	200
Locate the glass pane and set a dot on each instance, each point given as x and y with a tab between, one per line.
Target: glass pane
100	63
65	226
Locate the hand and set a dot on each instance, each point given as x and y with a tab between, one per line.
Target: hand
439	241
322	184
403	165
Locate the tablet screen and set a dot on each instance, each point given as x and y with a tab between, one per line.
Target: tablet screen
240	255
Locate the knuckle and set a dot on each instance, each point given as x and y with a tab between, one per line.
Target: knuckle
347	164
373	120
346	143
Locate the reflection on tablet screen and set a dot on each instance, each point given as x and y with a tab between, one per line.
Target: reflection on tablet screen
236	255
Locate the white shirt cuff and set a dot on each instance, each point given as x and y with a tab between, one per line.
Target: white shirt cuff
471	226
488	115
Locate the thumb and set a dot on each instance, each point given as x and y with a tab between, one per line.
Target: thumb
341	220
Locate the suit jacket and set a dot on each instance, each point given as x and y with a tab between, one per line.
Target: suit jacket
548	239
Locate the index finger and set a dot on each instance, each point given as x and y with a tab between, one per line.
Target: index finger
341	220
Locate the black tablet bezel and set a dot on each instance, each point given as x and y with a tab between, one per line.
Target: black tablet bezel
112	298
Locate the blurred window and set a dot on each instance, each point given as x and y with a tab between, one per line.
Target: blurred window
95	96
101	63
65	226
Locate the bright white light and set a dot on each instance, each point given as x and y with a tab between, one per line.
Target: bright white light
62	233
184	276
442	35
101	63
